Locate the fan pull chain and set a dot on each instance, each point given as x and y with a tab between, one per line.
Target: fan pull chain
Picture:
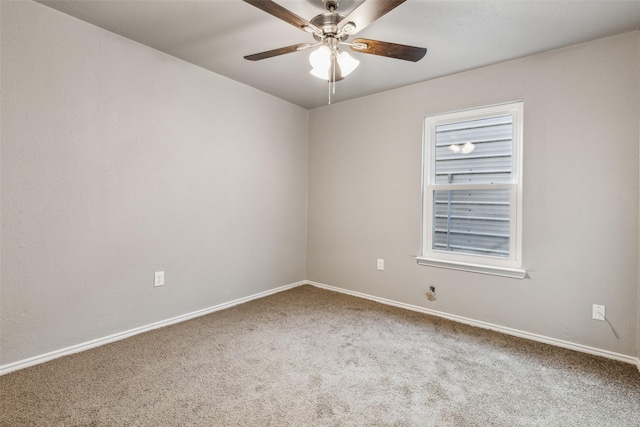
332	81
332	69
335	65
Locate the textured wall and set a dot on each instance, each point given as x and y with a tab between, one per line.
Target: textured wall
118	161
581	108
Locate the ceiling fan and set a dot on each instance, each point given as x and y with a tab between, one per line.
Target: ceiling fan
331	30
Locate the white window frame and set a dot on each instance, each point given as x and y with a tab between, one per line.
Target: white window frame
510	266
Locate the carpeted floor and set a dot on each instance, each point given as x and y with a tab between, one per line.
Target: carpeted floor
311	357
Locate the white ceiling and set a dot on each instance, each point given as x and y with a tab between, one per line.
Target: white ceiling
459	36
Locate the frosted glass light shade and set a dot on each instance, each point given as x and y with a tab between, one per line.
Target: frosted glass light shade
321	73
321	58
347	63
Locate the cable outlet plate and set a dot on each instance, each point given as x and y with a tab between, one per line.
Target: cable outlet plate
597	312
159	279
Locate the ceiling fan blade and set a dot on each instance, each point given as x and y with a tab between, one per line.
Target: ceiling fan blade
391	50
367	12
286	15
279	51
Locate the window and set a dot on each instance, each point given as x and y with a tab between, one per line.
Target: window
472	190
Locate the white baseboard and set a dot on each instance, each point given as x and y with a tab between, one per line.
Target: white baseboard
21	364
485	325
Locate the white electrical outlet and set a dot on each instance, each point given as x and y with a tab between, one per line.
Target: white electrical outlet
598	312
380	264
159	279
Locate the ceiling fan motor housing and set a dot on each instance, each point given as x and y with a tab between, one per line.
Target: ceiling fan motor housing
328	23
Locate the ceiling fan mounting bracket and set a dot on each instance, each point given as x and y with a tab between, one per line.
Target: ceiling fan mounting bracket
331	5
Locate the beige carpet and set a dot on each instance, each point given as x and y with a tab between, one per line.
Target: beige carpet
310	357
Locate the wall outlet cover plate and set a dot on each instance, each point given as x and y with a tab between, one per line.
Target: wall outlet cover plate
598	312
159	279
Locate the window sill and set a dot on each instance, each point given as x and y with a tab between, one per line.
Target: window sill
514	273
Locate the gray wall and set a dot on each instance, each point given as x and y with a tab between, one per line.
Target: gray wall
582	109
118	161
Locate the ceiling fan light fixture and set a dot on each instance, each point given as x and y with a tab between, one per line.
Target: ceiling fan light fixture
321	60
